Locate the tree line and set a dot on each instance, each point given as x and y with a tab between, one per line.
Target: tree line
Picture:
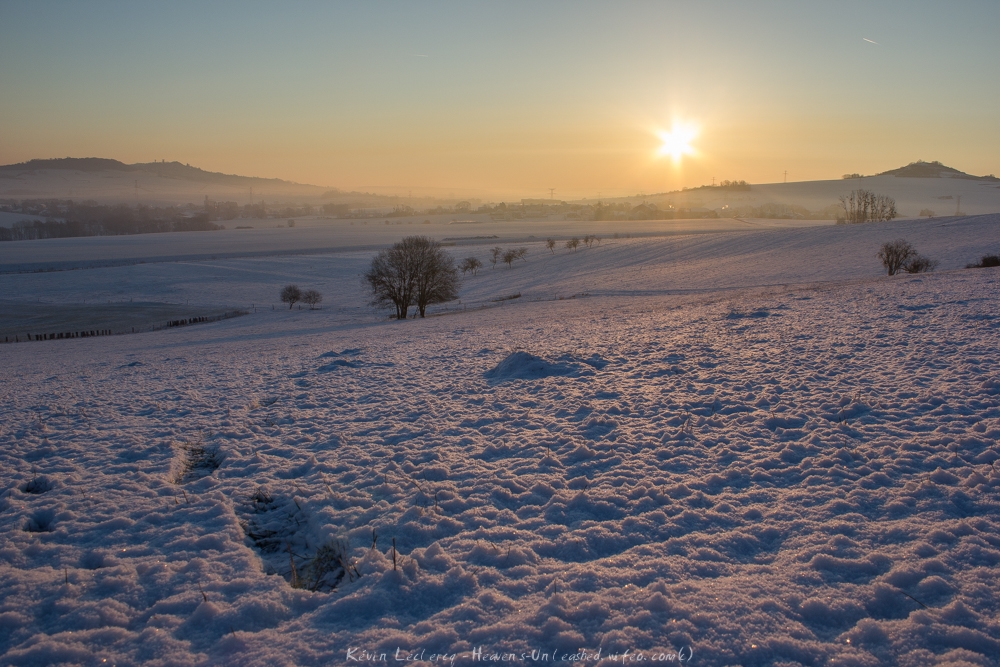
867	206
92	219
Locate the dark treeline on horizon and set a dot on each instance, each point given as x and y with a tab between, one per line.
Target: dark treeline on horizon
66	218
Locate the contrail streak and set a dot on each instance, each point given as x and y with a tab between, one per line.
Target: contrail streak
870	41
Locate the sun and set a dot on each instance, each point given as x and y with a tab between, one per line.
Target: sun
677	142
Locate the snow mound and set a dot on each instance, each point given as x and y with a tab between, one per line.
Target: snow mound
739	314
524	366
338	363
349	352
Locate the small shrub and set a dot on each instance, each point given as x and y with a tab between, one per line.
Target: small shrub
551	245
573	243
495	254
895	255
521	253
509	257
470	264
920	264
985	262
312	298
291	294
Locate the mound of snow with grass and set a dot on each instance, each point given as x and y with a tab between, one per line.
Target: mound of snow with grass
525	366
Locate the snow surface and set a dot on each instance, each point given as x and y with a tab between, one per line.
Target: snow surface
750	448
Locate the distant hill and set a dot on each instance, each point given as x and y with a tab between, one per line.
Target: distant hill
174	170
921	169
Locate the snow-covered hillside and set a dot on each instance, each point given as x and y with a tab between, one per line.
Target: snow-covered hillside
730	448
942	196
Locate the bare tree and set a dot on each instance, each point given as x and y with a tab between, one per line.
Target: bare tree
588	240
551	245
866	206
495	254
415	271
312	298
291	294
390	279
895	255
470	264
436	278
921	264
573	243
509	257
521	253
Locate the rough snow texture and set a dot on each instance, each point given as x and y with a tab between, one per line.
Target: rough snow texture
784	475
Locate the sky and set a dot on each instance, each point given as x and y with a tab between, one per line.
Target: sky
505	98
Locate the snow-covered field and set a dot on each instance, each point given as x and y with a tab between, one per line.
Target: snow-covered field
743	447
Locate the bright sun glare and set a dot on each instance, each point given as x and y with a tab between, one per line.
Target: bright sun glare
677	142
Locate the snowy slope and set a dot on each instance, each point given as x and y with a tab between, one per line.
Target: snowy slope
152	184
750	448
943	196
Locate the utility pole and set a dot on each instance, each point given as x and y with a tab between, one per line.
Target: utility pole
713	181
137	191
552	193
251	195
786	176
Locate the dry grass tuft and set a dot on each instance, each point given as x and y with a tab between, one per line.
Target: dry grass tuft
197	461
